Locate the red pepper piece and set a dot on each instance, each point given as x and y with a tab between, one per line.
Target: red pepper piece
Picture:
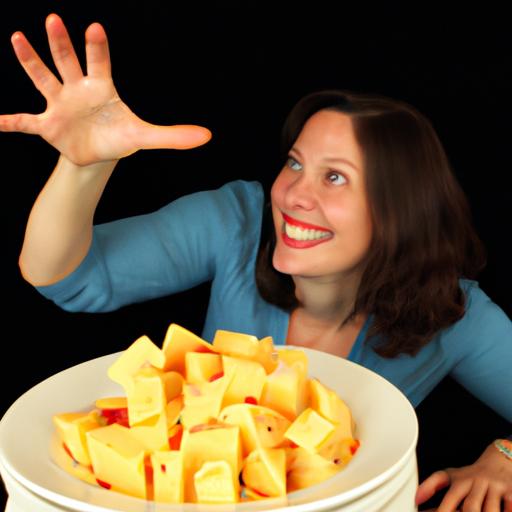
175	440
116	416
260	493
103	484
355	446
216	376
251	400
68	451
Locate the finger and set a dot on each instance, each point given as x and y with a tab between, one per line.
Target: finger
492	501
475	498
173	137
62	50
44	80
507	503
454	496
434	483
96	49
25	123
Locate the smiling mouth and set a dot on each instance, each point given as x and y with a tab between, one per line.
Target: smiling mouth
303	231
300	234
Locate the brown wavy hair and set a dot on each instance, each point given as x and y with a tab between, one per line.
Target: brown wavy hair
423	240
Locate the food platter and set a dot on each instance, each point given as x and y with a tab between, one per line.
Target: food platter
386	427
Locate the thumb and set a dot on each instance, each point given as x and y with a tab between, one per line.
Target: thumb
172	137
435	482
25	123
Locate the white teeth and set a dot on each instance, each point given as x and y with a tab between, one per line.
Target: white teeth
304	234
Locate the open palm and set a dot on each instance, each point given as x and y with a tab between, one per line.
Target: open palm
85	118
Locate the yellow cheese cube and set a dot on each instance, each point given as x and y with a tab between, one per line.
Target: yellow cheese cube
118	459
72	428
203	401
306	469
200	366
260	427
339	449
178	341
285	390
247	380
270	427
146	398
212	443
264	471
240	416
310	430
295	358
168	483
139	353
214	483
267	355
152	433
326	402
246	346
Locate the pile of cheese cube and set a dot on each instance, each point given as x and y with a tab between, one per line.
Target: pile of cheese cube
222	422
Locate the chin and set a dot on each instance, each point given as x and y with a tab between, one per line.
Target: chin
293	268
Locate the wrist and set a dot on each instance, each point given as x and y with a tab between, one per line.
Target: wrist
504	446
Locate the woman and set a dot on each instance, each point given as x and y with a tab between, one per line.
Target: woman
363	251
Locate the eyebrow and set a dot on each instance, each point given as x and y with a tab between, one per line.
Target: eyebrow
343	160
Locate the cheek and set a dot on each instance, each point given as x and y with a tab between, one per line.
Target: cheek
277	191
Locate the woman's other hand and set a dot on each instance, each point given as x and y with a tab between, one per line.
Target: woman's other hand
85	118
482	486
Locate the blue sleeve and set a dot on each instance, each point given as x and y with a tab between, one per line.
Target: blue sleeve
164	252
485	366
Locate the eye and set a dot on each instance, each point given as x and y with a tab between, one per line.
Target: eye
291	163
336	178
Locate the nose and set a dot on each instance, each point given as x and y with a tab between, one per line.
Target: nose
300	194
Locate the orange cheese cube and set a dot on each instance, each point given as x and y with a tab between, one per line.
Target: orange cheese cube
178	341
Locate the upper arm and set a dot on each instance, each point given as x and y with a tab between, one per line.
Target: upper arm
485	366
157	254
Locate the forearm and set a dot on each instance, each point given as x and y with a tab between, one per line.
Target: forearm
59	228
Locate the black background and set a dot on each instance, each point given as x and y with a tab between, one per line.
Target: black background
238	71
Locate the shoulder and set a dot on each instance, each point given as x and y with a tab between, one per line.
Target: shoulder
479	306
245	197
483	319
236	197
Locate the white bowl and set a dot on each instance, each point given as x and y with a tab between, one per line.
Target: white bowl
386	426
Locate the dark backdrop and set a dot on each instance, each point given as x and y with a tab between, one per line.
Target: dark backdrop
238	72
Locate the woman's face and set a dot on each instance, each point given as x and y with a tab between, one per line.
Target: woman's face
319	204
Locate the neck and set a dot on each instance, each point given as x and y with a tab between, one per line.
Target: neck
325	299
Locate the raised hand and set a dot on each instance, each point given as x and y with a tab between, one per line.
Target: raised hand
85	118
